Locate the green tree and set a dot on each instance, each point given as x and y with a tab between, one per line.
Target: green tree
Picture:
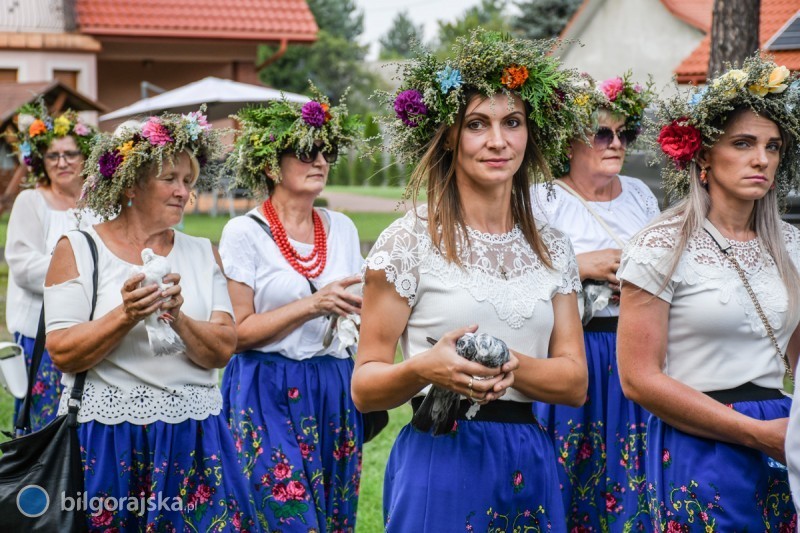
543	19
397	43
489	14
333	63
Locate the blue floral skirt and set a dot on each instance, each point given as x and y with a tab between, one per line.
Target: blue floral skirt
298	439
697	484
484	476
46	388
173	477
600	448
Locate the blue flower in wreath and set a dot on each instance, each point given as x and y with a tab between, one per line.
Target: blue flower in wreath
696	97
25	149
449	78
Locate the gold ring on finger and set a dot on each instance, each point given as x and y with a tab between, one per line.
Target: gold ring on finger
469	385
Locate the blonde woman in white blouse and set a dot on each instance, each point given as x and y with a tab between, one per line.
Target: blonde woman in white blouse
150	425
709	297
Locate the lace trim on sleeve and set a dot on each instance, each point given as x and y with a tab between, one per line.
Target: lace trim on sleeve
563	258
398	252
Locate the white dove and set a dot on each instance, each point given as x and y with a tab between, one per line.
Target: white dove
163	339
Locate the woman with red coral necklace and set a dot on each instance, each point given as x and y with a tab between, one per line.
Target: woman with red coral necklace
286	392
709	314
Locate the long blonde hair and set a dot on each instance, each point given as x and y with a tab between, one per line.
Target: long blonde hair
764	220
445	214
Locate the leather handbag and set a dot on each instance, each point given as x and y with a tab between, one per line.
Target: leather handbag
38	471
374	421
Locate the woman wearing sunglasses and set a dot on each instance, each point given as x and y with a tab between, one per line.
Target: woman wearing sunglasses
601	445
286	394
53	149
709	310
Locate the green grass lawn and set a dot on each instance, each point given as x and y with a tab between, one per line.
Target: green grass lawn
369	225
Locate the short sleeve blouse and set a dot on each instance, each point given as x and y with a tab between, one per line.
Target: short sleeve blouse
716	340
249	256
131	384
626	215
503	287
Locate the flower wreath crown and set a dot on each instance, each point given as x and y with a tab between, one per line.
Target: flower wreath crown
625	98
37	129
269	130
116	159
685	125
432	92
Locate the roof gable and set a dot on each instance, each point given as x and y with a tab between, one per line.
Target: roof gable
252	20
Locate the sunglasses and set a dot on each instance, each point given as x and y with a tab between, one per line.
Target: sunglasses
309	157
604	136
70	156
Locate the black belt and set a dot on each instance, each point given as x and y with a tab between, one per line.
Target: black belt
497	411
746	393
602	324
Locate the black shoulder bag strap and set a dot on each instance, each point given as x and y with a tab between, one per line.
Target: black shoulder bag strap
23	423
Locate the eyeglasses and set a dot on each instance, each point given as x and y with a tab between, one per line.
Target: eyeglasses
70	156
604	136
309	157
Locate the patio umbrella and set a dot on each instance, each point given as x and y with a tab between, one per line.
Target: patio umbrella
222	97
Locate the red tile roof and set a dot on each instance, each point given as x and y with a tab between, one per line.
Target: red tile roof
251	20
696	13
774	14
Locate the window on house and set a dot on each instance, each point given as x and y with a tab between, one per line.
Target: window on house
67	77
8	75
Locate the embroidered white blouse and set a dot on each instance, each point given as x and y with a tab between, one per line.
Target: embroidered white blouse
131	384
249	256
716	340
504	287
626	214
33	231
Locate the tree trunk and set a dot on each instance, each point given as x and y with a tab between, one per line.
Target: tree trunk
734	33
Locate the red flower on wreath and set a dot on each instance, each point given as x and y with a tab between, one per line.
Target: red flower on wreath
680	141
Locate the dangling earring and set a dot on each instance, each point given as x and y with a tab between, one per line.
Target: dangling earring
130	202
704	176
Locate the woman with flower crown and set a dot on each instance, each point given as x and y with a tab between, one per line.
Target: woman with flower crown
600	446
289	265
478	127
709	312
150	428
53	150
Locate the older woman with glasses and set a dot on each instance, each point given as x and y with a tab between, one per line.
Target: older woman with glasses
286	392
601	445
53	149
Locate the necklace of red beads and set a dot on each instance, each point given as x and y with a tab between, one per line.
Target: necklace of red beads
309	266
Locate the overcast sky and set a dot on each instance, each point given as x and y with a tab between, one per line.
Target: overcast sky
378	16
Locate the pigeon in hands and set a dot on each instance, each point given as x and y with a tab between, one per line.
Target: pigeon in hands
439	409
163	339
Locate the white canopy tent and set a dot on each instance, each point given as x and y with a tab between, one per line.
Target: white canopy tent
222	98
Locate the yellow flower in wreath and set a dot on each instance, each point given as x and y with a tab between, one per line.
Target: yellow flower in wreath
61	126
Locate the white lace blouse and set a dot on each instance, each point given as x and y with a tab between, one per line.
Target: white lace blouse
131	384
716	340
504	287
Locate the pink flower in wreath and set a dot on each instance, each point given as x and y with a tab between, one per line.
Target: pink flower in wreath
282	471
612	87
102	519
296	490
294	393
155	132
279	492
